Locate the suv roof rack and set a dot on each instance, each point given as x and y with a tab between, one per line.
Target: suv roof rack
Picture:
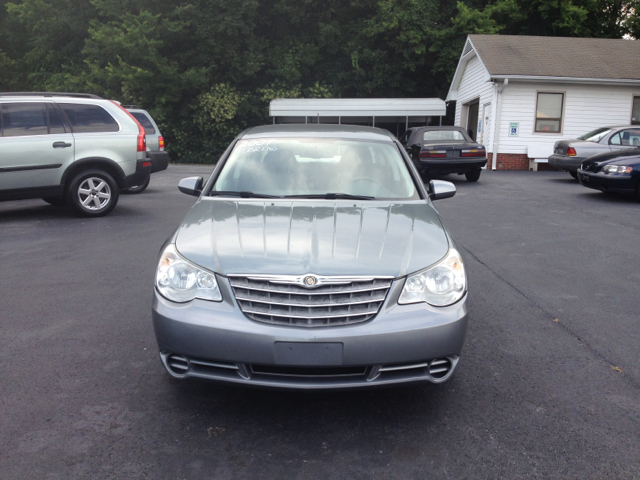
49	94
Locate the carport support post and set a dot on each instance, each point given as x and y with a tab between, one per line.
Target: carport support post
496	123
406	124
374	121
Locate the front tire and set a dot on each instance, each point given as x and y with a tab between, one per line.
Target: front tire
93	193
139	188
473	176
574	175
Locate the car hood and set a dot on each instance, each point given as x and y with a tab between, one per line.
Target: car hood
322	237
628	156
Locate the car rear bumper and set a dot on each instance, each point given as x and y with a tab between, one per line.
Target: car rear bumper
159	161
565	163
450	165
143	170
607	182
216	341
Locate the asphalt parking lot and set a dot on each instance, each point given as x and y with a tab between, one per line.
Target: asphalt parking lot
548	385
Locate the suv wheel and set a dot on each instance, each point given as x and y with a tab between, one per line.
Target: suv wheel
93	193
473	176
139	188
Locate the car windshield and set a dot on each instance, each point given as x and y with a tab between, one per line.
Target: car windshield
443	135
315	167
596	135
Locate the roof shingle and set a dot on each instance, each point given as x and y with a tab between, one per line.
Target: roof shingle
559	56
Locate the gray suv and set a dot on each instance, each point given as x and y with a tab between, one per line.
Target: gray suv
155	144
75	149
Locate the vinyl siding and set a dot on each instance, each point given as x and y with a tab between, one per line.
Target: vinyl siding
474	84
586	107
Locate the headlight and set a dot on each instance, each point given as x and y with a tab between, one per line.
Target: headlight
179	280
616	169
440	285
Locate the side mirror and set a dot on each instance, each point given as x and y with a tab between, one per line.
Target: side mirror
191	186
439	189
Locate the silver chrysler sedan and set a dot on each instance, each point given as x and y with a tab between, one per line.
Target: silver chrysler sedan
313	258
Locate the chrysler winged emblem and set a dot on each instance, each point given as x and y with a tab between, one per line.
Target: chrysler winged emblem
310	281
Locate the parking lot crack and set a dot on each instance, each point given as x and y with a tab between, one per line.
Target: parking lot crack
561	324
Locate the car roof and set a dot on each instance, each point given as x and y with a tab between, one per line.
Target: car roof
318	130
37	95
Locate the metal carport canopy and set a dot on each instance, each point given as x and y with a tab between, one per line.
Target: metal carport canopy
357	107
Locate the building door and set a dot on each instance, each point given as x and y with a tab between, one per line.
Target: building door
472	120
485	124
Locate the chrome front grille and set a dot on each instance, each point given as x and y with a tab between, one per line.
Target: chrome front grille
289	303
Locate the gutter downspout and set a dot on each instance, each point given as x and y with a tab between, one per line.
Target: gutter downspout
496	128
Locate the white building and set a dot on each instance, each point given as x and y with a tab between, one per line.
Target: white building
538	90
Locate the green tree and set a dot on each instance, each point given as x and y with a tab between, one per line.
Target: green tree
207	69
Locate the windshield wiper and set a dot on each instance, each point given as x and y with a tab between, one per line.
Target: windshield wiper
240	194
333	196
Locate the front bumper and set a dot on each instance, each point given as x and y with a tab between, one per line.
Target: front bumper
143	170
403	343
159	161
607	182
450	165
565	162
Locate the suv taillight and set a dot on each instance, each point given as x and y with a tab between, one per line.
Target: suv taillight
142	138
571	152
161	143
142	141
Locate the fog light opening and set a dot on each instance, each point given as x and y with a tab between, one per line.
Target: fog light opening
178	365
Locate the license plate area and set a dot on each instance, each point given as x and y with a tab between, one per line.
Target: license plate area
308	354
453	153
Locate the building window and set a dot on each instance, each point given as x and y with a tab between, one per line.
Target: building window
549	112
635	112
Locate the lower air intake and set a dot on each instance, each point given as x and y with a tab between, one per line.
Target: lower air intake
178	364
440	368
308	371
